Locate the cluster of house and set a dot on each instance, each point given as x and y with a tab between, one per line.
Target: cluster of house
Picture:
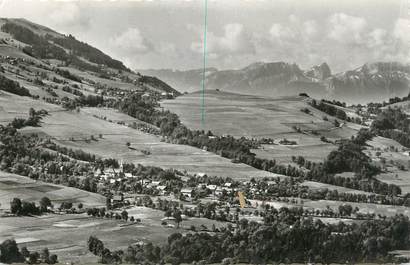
114	176
10	60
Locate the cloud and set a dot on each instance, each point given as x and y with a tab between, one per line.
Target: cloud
235	40
311	29
347	29
401	30
295	31
68	14
281	33
377	38
132	41
167	48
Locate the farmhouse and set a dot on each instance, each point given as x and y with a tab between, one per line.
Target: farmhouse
161	189
187	192
117	198
153	184
128	175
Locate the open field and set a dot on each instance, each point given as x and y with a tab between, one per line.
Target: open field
405	106
245	115
391	155
387	210
12	186
320	186
62	125
67	235
257	117
311	148
110	114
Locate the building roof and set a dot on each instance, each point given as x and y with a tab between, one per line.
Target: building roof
186	190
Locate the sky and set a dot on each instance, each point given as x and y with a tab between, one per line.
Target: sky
170	33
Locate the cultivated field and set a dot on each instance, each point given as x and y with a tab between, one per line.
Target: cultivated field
257	117
16	186
320	186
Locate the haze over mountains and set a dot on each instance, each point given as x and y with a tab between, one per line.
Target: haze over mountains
371	82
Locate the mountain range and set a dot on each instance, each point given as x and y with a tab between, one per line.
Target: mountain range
376	81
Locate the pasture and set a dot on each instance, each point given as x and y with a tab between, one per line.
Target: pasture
16	186
313	185
263	117
391	156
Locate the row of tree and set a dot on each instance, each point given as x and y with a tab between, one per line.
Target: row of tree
13	87
21	207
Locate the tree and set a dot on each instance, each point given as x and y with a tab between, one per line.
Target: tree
9	252
28	208
53	259
33	258
24	252
95	245
44	203
124	215
178	217
15	206
45	255
66	205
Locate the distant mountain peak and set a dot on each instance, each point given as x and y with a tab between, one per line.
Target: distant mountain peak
319	72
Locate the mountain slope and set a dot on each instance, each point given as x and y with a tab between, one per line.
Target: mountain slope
64	55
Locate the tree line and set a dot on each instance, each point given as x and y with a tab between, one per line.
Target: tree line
393	123
13	87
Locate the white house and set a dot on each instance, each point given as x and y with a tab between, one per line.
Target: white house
187	192
128	175
161	189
